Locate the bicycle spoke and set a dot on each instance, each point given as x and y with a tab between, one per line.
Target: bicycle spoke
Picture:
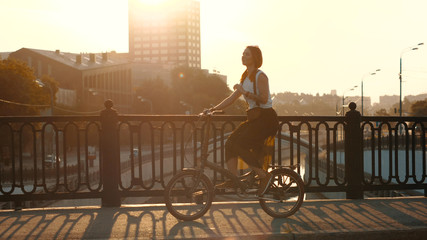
188	196
285	195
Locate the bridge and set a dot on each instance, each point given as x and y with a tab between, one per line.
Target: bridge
112	158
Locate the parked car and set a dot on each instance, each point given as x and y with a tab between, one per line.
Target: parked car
50	160
135	153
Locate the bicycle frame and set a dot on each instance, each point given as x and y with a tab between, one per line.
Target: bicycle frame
204	155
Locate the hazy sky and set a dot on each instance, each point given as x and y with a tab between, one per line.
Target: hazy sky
309	46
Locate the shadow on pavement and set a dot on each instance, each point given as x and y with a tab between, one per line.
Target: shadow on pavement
362	219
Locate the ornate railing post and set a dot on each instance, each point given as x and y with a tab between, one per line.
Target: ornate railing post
110	158
353	153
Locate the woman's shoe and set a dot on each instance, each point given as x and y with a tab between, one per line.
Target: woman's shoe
264	183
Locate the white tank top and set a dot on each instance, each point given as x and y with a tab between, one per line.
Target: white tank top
249	87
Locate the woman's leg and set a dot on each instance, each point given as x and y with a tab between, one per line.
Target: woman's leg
232	146
259	171
232	165
264	179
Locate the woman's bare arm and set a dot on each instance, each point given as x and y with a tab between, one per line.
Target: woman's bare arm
228	100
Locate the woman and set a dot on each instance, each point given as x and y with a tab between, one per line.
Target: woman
248	139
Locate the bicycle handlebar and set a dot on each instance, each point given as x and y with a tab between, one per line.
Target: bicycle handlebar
209	112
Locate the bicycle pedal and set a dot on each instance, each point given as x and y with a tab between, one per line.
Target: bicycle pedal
198	193
247	196
252	191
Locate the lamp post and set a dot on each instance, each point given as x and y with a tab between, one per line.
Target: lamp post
49	130
400	74
371	73
343	99
351	89
42	84
97	96
188	106
146	100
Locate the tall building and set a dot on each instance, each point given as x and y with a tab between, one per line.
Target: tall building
166	33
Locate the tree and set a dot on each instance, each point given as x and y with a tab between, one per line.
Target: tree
20	94
406	106
201	90
288	103
191	90
419	108
158	95
381	112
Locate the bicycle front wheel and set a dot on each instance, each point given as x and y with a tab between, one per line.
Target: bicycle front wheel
284	195
189	195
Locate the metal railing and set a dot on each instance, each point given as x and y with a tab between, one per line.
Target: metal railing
113	156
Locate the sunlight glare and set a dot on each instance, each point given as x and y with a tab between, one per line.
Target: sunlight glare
152	2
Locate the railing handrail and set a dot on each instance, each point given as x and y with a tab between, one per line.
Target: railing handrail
182	117
319	135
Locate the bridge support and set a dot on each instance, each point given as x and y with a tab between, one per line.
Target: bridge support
110	156
353	154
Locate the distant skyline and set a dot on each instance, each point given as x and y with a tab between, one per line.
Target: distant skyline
309	46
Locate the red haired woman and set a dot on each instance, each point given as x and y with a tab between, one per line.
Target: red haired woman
247	140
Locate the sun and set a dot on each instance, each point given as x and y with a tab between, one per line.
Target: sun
152	2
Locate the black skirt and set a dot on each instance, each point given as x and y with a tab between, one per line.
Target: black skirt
247	140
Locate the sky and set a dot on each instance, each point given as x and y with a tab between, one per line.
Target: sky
309	46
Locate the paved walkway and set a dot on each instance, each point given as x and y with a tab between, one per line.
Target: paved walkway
394	218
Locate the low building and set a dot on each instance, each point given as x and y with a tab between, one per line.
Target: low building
85	80
4	55
387	102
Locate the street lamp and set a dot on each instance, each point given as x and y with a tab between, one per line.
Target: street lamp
188	106
146	100
343	99
42	84
371	73
400	74
93	91
97	96
49	129
351	89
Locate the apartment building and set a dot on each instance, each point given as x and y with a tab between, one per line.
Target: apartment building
166	33
388	101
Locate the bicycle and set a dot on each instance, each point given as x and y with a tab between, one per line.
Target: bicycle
190	193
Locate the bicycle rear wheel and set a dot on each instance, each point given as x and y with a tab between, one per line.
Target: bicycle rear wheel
189	195
284	195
